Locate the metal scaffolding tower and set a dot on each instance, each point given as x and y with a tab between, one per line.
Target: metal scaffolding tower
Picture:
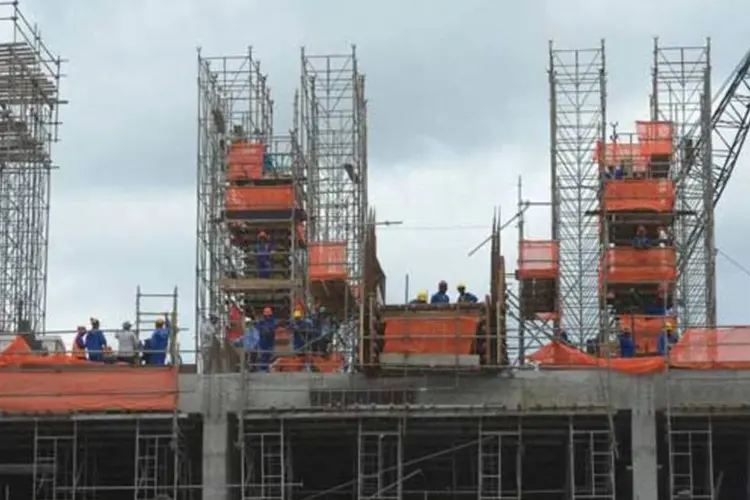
233	98
29	105
333	131
681	94
577	80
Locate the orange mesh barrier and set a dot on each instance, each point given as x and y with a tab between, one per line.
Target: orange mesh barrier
548	316
713	349
637	265
645	330
259	198
289	364
560	355
245	161
625	195
538	259
610	154
54	387
655	137
430	335
327	261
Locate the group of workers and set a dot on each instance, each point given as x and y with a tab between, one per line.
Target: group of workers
311	335
442	297
626	342
91	344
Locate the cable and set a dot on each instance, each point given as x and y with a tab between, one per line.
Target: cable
434	228
734	262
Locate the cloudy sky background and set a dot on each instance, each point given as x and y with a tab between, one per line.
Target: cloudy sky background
458	110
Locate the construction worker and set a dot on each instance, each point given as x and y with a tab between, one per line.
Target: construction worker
127	344
95	342
641	239
303	332
421	298
249	342
666	339
208	335
263	255
266	327
627	344
324	327
441	296
561	334
464	296
79	343
156	346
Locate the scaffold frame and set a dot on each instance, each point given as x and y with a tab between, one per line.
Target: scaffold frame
29	95
577	80
681	94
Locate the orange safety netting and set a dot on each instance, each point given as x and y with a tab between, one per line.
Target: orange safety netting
637	265
327	261
259	198
713	349
655	137
245	161
538	259
416	335
51	384
557	354
645	329
613	154
332	363
625	195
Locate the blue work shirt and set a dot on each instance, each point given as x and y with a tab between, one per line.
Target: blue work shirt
158	344
627	346
249	340
267	333
664	342
468	298
641	242
95	343
440	298
304	331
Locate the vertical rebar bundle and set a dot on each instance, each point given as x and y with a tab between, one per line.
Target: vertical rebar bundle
29	106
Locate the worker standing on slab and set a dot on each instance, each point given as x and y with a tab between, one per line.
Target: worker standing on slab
464	296
127	344
263	255
95	342
209	335
159	342
266	327
441	296
249	342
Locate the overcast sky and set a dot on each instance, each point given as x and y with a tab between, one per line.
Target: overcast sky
458	110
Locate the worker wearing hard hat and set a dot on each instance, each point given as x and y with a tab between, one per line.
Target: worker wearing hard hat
249	341
266	327
127	344
95	342
421	298
666	339
464	296
303	333
155	347
263	253
441	296
627	344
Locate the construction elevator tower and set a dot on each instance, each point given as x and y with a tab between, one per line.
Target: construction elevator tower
29	107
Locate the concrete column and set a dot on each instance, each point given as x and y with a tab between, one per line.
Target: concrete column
216	457
643	436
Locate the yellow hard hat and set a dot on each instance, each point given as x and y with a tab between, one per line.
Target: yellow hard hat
297	314
422	295
461	285
669	326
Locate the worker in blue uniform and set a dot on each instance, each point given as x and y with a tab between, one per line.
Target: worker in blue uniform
421	298
156	346
95	342
666	339
464	296
263	250
303	332
627	344
441	296
249	342
266	327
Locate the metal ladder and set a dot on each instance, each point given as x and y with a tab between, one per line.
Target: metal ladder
592	450
380	465
265	466
493	479
48	459
151	306
682	448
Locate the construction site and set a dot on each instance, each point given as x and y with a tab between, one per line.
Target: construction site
592	368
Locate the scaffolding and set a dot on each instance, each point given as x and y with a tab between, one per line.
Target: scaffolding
332	120
233	102
152	306
681	94
29	105
577	80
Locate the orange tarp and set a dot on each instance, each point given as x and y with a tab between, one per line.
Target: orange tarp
245	161
259	198
49	384
327	261
655	137
612	154
538	259
625	195
645	329
712	349
557	354
331	364
236	323
637	265
417	335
